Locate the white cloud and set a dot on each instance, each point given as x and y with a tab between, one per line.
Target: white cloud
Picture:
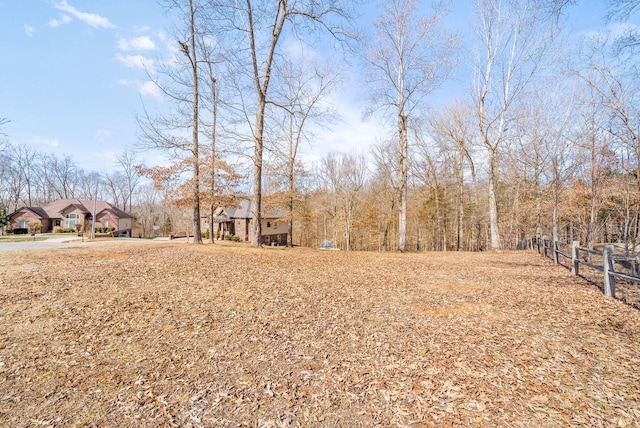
29	30
147	88
64	19
350	135
102	134
298	51
91	19
137	61
44	141
150	89
142	43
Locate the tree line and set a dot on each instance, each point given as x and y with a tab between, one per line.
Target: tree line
542	140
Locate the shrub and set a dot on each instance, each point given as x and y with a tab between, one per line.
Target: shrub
217	234
236	238
59	229
205	234
228	236
20	231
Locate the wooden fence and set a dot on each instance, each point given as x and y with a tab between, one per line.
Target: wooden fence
576	256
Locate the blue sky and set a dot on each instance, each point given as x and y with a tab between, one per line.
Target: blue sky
72	78
71	81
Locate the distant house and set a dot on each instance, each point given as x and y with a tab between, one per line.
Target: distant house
67	213
238	221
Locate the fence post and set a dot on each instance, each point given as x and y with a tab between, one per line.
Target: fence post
555	251
575	258
538	244
544	246
609	279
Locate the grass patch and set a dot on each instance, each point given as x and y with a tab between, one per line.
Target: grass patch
20	239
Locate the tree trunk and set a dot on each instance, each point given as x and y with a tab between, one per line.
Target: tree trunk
196	120
493	202
214	124
404	149
460	201
290	189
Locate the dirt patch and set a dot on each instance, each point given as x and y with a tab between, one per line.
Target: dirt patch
126	334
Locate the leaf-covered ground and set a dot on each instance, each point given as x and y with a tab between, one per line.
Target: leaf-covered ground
166	334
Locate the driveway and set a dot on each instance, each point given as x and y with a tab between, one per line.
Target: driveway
51	242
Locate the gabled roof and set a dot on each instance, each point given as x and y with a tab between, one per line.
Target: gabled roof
74	206
243	210
55	209
36	210
39	211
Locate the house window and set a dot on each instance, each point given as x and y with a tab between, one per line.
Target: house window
23	225
275	224
71	220
268	224
106	223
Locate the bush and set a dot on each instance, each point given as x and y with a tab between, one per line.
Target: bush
59	229
205	234
20	231
228	237
236	238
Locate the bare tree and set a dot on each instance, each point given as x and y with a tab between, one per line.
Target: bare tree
259	27
299	95
62	175
117	189
386	184
613	82
182	89
514	40
354	169
410	57
92	185
454	128
127	161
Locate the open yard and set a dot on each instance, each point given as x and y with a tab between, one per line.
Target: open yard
142	334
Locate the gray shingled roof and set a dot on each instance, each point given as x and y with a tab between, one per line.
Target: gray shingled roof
243	210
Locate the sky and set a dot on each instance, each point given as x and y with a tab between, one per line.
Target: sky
72	76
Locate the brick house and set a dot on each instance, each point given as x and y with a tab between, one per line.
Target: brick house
238	221
67	213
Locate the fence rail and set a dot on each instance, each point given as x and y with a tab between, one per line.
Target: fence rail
582	256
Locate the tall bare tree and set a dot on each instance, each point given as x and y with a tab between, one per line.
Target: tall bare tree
302	88
410	56
514	39
258	28
182	89
454	128
127	161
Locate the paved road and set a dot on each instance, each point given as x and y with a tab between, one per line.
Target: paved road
31	245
